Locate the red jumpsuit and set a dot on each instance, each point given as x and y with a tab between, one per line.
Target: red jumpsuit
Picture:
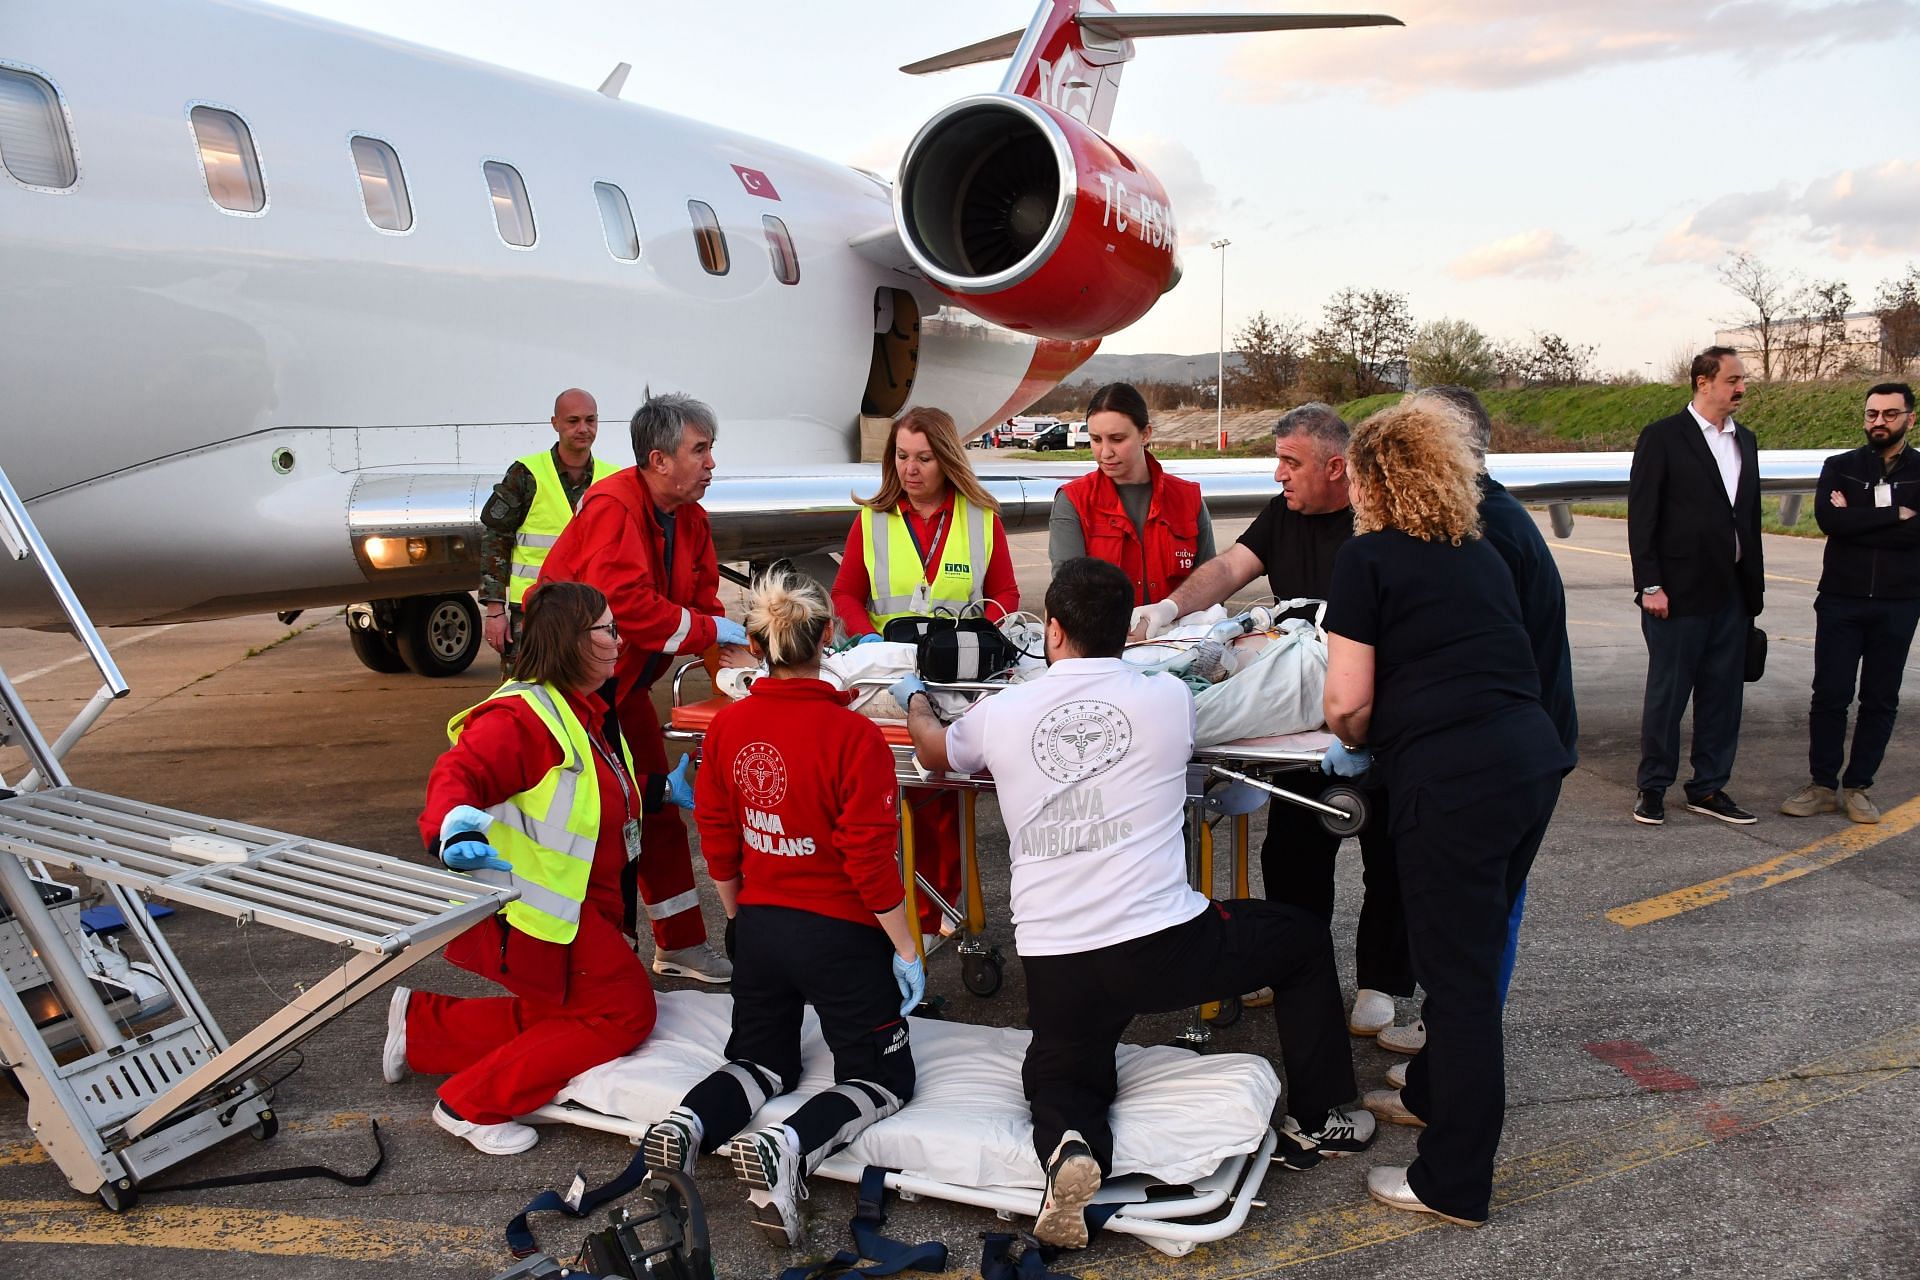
575	1005
615	543
935	812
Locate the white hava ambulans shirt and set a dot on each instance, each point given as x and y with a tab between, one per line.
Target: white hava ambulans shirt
1090	763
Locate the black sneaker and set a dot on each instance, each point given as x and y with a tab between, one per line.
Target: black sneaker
1651	807
1342	1133
1720	805
1073	1179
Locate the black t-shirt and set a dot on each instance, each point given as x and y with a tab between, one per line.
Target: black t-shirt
1543	601
1456	699
1297	551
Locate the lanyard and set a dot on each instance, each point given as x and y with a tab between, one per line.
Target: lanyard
619	774
933	542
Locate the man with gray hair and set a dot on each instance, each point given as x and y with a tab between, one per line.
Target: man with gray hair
1293	541
643	539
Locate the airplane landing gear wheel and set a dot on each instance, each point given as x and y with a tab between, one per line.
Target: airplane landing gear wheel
375	651
119	1196
1354	801
438	635
982	972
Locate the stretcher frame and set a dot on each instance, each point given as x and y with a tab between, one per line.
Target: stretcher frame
1255	763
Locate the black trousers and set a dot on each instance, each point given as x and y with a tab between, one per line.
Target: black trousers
785	960
1702	659
1079	1006
1297	863
1462	866
1871	639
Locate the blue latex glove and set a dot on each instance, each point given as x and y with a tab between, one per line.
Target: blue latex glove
679	785
905	687
912	977
872	637
1346	762
463	841
727	631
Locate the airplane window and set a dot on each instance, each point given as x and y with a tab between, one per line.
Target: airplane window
34	145
228	160
786	263
383	187
616	219
708	238
512	211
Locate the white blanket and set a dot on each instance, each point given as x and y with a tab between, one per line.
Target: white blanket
1179	1114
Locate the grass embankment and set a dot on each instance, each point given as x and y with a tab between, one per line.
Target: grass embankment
1769	516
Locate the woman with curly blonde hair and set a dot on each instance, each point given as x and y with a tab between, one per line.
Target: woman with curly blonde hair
1431	680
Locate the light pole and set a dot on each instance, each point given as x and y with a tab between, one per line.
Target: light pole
1220	370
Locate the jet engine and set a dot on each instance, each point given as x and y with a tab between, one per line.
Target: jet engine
1028	218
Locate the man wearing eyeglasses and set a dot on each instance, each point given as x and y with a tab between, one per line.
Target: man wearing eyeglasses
1868	605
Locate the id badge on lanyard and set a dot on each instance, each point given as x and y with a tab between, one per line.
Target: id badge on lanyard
630	832
630	829
922	597
1883	494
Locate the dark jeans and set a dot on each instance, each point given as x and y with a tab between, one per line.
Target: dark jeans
1871	638
1079	1006
1297	863
1698	658
1463	865
785	960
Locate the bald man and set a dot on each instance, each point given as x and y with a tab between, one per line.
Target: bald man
529	508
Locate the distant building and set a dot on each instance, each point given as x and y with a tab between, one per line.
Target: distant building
1803	348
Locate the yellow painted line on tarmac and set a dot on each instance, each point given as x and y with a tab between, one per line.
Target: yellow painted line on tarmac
254	1231
1621	555
1824	852
1278	1243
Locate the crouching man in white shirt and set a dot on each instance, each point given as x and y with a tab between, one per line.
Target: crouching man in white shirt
1090	763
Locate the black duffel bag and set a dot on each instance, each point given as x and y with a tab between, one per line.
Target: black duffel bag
947	648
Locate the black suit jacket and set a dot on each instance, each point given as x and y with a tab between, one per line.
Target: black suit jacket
1681	528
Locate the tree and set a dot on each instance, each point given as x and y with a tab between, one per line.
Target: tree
1269	361
1815	344
1769	297
1361	343
1548	361
1450	353
1897	304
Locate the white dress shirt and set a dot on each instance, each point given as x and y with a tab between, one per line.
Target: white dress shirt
1725	447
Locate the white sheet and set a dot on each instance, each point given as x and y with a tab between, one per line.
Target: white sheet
1179	1114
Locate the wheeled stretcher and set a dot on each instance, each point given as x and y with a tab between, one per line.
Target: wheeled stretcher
1192	1134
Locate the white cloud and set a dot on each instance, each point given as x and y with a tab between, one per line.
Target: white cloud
1197	208
1539	254
1504	44
1854	211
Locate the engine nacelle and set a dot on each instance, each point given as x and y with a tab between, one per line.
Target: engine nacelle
1028	218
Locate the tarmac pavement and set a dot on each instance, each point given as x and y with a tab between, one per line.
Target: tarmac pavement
1711	1035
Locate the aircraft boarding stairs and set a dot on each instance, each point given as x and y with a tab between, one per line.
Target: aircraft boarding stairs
115	1093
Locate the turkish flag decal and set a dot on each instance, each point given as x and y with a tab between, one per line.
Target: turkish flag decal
756	183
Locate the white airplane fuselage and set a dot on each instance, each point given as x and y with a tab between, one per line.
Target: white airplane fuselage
194	399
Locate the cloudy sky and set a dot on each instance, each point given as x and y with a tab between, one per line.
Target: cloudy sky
1528	165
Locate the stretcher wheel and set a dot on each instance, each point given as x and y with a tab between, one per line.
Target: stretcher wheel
119	1196
1228	1013
1354	801
982	974
265	1127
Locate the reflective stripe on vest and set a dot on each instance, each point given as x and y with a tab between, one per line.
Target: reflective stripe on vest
545	519
896	573
550	831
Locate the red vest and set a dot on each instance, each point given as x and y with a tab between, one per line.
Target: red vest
1172	530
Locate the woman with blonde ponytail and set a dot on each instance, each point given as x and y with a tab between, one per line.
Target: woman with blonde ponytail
795	803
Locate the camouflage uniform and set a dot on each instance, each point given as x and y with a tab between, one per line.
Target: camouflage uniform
504	511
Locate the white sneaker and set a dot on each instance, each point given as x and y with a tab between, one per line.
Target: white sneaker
766	1160
393	1054
1073	1180
704	963
1397	1075
508	1138
673	1143
1372	1012
1409	1039
1387	1104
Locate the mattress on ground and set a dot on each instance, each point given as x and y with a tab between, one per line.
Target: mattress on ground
1179	1114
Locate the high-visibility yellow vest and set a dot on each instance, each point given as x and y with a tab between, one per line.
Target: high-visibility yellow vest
897	585
548	832
544	521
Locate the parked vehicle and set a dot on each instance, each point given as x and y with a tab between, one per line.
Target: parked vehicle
1053	437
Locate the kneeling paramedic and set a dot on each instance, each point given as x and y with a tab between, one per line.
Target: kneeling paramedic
795	802
1090	763
531	794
